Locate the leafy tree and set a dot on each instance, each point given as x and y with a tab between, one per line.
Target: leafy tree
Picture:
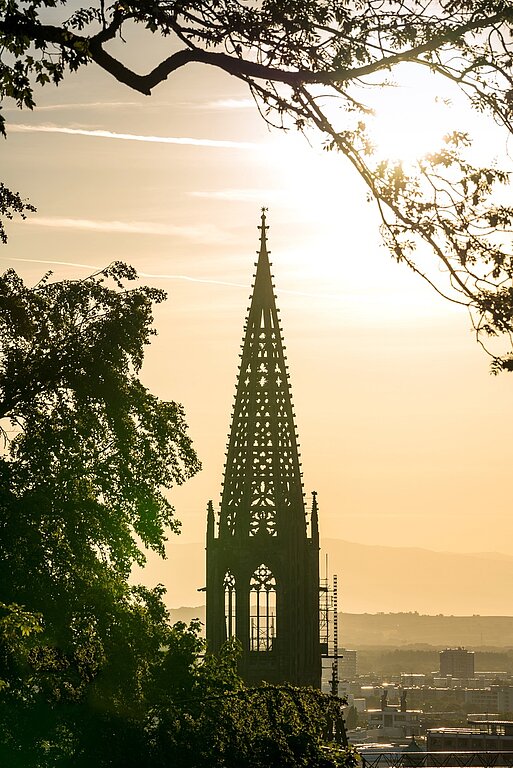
294	57
87	454
91	671
258	727
10	205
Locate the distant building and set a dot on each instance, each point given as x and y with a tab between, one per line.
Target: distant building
478	736
413	679
393	721
358	703
347	664
481	699
383	754
457	662
491	675
495	698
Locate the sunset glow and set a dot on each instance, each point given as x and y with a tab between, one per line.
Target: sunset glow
405	127
391	392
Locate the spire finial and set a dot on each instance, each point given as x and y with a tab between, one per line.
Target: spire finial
263	227
210	520
315	517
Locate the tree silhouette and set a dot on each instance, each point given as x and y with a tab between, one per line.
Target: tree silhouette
86	455
292	56
91	670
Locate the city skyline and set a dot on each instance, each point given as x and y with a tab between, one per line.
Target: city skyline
403	432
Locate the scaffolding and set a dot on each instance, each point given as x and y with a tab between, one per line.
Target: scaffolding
328	625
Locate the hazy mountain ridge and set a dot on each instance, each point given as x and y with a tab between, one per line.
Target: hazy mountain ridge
401	630
375	579
416	630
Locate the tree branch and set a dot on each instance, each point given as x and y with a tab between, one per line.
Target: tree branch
43	34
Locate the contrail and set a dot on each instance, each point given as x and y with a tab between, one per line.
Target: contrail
187	278
50	261
228	104
187	140
96	268
201	233
80	105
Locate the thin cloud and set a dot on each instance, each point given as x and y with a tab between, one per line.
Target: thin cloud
227	104
186	278
201	234
241	195
91	267
80	105
217	104
157	276
182	140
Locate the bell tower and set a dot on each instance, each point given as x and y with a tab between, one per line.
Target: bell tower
262	547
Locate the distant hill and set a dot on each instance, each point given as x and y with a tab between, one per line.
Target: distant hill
377	579
391	579
407	630
410	629
187	614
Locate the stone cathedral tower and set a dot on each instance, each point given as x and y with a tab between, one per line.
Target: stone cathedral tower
263	548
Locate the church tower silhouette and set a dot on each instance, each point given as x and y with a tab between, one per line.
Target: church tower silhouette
263	548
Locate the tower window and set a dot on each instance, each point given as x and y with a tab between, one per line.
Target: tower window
262	609
229	604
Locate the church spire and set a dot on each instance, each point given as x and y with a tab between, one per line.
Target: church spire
262	489
262	567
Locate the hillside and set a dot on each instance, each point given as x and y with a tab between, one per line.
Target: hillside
375	579
393	579
408	630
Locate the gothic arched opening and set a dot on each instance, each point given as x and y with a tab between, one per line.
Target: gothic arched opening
262	609
229	604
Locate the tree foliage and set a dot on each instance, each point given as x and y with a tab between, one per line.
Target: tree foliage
232	726
91	670
295	56
89	448
11	204
87	453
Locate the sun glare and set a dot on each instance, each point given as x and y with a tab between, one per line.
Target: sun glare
340	262
414	114
410	120
408	123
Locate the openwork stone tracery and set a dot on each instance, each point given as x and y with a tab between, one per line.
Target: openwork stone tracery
262	557
230	604
262	609
262	465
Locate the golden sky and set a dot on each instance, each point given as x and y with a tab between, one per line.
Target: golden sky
404	434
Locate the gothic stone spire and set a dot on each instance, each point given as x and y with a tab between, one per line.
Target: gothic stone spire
262	486
262	561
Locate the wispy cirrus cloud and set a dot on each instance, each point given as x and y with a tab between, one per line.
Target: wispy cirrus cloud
187	278
242	195
62	106
216	104
102	134
227	104
203	233
156	276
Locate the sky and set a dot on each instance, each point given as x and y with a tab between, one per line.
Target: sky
404	433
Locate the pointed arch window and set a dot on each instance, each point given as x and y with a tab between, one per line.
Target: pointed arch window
262	609
229	604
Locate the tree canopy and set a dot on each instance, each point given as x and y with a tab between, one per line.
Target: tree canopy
294	57
91	670
86	454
